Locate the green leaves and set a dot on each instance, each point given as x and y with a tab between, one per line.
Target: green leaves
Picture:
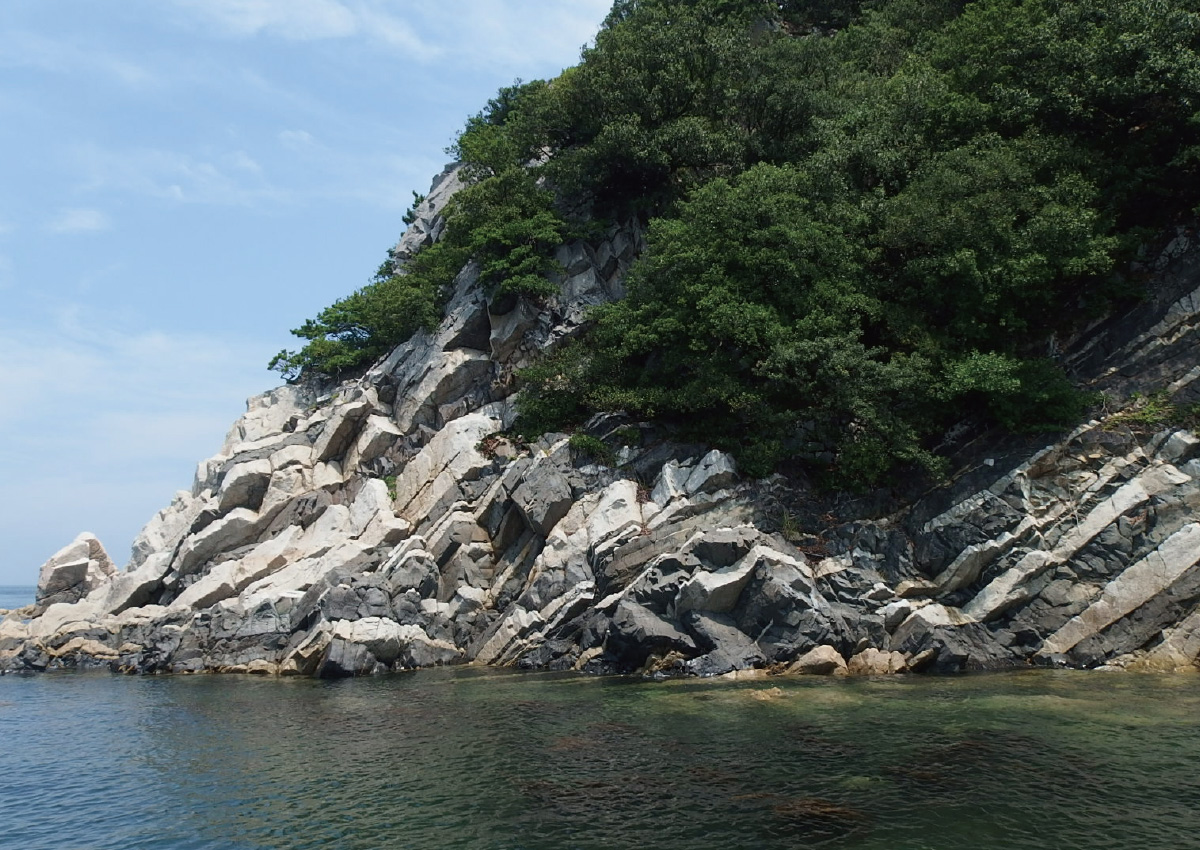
865	219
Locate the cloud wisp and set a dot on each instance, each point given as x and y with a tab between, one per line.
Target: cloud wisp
80	221
103	423
490	33
22	49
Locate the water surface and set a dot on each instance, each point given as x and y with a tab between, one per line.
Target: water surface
466	758
15	596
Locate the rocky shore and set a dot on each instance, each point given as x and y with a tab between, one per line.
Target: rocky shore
393	522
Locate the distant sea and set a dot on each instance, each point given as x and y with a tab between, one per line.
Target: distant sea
15	596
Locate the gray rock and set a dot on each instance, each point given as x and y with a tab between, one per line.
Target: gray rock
725	647
635	632
723	547
344	659
544	498
715	471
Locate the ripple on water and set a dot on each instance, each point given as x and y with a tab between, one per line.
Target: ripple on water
483	759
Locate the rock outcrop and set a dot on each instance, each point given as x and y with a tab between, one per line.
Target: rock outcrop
74	571
392	522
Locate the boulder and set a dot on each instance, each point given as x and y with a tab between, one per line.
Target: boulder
543	498
875	662
718	590
821	660
716	471
725	647
956	642
339	431
74	571
635	632
244	486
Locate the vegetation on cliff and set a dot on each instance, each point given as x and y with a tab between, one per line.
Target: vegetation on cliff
867	220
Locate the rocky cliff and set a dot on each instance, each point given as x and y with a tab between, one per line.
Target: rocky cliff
391	522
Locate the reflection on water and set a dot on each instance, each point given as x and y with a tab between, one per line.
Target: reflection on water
483	759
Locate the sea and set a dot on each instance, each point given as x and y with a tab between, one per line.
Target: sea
15	596
476	758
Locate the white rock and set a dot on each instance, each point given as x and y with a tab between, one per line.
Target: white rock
244	486
617	511
719	590
235	529
371	503
327	475
819	661
671	483
298	454
450	457
377	436
1134	587
716	471
75	570
339	431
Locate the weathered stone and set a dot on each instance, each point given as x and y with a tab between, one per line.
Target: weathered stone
819	661
74	571
671	484
451	457
723	547
635	632
339	431
875	662
543	499
719	590
715	471
960	643
1133	588
244	486
725	647
377	435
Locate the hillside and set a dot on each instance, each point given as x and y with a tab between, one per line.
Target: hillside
794	336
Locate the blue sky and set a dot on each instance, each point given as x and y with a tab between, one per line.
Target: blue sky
181	182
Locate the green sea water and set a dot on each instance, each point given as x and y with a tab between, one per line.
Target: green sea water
468	758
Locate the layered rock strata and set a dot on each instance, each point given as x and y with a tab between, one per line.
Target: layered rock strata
391	523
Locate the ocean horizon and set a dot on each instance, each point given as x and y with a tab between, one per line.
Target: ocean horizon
16	595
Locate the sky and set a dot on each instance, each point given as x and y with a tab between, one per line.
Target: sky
182	182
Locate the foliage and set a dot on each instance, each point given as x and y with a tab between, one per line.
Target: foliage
410	215
866	220
1154	410
591	447
506	222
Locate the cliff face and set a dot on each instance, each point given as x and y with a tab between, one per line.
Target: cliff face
387	524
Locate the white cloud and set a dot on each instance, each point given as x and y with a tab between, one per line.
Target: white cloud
297	139
512	33
301	20
103	422
397	33
92	363
29	50
479	32
228	178
80	221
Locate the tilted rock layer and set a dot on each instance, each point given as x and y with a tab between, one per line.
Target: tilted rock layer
387	524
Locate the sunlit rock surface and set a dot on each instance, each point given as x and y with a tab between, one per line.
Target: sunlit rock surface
388	523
